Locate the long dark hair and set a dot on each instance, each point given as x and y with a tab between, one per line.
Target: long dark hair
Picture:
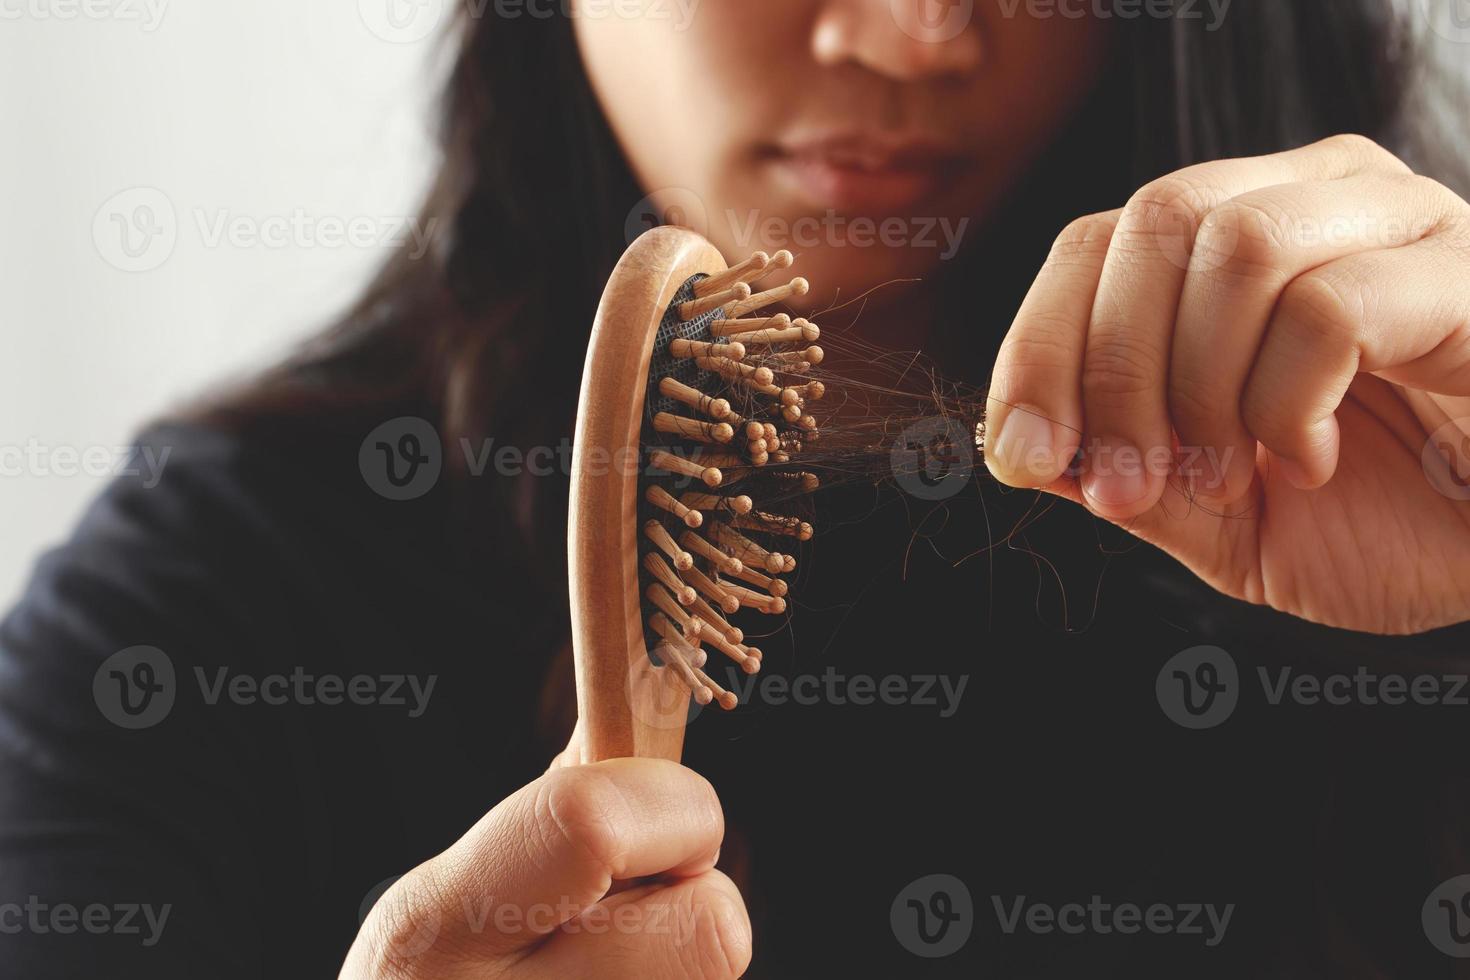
532	198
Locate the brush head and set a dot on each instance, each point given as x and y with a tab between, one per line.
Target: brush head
722	489
693	370
666	555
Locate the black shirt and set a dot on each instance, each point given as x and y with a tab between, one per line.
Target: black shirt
356	680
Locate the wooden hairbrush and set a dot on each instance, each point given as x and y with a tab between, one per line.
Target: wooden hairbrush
692	408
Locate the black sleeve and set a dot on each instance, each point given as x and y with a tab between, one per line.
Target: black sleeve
156	822
127	824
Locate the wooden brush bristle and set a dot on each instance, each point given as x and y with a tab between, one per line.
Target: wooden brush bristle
721	428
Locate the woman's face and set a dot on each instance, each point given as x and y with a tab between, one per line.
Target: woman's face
864	135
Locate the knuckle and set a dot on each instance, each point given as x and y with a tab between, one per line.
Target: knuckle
1243	240
1033	363
720	944
403	924
579	810
1195	405
1327	311
1167	204
1041	341
1422	185
1085	239
1435	194
1120	366
1355	143
1456	239
1366	151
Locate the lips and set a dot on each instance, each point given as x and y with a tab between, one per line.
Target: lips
865	174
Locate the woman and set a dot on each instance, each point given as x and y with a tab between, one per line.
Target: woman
250	784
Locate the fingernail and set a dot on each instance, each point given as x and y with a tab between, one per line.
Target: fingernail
1115	476
1023	448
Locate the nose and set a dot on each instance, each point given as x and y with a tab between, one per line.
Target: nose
906	40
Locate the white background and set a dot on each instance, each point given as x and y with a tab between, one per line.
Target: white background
261	114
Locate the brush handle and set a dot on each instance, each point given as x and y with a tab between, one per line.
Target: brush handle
627	707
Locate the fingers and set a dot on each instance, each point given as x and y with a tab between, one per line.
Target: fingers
1089	359
1130	336
1401	313
1034	413
696	928
1246	253
550	850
